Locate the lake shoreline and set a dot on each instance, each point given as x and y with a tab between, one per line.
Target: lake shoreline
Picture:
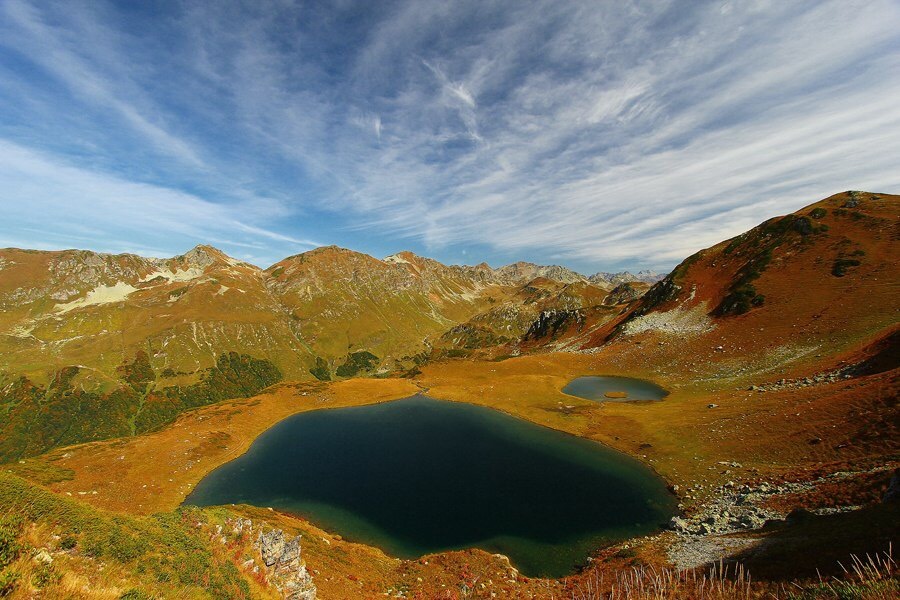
283	467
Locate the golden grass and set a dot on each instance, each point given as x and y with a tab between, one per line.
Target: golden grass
680	437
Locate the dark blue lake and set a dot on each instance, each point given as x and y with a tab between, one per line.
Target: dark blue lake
417	476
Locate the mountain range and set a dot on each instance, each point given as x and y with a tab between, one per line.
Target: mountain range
132	341
779	348
136	340
81	307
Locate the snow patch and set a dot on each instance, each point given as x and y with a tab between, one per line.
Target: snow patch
396	259
103	294
180	275
222	290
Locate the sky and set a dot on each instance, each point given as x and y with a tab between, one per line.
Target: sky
599	135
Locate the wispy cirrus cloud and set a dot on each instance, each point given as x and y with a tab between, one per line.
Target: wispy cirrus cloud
80	208
597	134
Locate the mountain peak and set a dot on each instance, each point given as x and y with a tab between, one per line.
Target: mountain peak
404	256
520	272
204	255
645	276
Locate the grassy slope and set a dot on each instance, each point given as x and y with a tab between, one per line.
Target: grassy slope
96	554
327	313
811	321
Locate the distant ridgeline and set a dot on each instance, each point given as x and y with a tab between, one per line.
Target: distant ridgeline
36	418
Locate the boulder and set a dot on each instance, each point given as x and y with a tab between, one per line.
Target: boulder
678	524
287	572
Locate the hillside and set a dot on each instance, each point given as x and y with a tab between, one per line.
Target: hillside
797	288
94	346
779	348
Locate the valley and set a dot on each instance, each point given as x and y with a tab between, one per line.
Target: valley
132	379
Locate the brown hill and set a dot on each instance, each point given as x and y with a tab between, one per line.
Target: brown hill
814	282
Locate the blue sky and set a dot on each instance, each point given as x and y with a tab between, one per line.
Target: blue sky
600	135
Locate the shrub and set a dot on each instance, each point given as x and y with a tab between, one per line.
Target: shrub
356	363
9	543
68	542
8	582
742	294
840	266
741	300
45	575
321	370
233	376
137	373
165	547
818	213
803	225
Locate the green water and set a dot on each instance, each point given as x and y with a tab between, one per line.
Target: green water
595	388
418	475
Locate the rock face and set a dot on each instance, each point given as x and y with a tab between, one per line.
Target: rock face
549	322
286	570
521	272
624	277
621	294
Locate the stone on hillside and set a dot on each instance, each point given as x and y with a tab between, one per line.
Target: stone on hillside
287	571
678	524
621	294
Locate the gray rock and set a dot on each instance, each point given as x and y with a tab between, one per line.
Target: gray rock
678	524
287	572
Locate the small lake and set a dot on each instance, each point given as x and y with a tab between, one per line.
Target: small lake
417	476
614	389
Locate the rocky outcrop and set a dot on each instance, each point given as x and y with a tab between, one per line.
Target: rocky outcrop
522	272
615	279
621	294
284	566
712	529
551	322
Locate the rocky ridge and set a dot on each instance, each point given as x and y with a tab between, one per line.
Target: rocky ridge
280	558
614	279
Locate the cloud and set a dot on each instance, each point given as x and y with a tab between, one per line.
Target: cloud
56	205
601	134
643	155
56	50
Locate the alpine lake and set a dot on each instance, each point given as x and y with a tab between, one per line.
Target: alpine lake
611	388
418	476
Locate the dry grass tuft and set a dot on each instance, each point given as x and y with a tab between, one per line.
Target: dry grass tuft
649	582
874	577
